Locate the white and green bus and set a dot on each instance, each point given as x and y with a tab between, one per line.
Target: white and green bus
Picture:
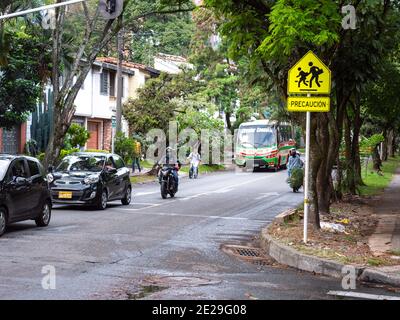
263	144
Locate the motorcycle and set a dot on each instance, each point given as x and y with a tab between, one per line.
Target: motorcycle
167	182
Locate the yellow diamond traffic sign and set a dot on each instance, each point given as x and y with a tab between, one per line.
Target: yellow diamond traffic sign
314	104
310	76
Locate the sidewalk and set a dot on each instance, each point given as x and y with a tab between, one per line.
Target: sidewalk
386	237
376	257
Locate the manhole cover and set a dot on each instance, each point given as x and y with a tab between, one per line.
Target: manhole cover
248	254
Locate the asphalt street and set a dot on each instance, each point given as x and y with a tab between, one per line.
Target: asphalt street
161	249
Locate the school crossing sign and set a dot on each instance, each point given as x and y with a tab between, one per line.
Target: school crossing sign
309	86
309	76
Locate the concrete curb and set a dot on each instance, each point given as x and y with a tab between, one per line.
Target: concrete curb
378	276
295	259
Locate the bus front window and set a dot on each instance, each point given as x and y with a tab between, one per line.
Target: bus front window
257	137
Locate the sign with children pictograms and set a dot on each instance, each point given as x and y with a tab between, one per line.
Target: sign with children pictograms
309	76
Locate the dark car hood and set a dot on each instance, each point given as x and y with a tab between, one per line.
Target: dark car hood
72	176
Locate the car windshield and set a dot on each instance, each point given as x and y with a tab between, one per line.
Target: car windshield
82	163
3	168
257	136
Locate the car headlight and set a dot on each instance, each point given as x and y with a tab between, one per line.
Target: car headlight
50	178
91	179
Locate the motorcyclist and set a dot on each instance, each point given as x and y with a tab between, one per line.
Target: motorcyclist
194	159
294	161
170	160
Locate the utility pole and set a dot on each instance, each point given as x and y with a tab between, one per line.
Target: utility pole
120	45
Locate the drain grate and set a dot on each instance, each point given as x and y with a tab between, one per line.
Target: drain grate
248	254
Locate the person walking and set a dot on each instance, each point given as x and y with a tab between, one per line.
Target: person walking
137	153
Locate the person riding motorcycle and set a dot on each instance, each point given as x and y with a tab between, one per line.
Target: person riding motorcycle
170	160
194	159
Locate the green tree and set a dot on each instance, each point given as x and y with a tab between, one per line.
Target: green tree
166	34
275	34
76	136
89	39
124	146
22	73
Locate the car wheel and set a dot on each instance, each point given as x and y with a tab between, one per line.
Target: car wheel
3	221
102	202
128	197
44	217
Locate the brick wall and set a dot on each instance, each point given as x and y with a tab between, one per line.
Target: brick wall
107	132
22	137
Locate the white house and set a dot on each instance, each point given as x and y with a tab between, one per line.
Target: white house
171	64
96	101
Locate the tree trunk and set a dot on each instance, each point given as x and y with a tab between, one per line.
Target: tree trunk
385	145
390	143
350	185
56	140
377	162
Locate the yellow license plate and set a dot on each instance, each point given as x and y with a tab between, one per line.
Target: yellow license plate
65	195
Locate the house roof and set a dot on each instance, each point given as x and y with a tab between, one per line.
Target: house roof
170	57
128	65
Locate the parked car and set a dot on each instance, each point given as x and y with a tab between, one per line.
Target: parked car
24	191
92	179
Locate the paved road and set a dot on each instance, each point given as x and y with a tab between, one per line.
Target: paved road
173	244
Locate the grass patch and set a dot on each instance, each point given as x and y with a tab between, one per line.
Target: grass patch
143	164
204	168
375	262
374	183
395	252
142	178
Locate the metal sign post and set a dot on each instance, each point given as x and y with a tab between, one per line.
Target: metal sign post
307	176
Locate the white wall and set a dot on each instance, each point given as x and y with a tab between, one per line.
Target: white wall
90	103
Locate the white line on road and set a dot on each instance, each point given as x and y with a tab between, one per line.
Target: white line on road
194	216
360	295
224	189
266	195
144	193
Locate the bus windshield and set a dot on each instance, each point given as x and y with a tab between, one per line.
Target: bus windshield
257	136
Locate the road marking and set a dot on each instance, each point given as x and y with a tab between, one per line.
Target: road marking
350	294
224	189
266	195
147	206
144	193
194	216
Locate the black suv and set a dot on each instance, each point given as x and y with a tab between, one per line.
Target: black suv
24	191
88	178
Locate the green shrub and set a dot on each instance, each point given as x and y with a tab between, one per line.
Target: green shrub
124	146
67	152
76	136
